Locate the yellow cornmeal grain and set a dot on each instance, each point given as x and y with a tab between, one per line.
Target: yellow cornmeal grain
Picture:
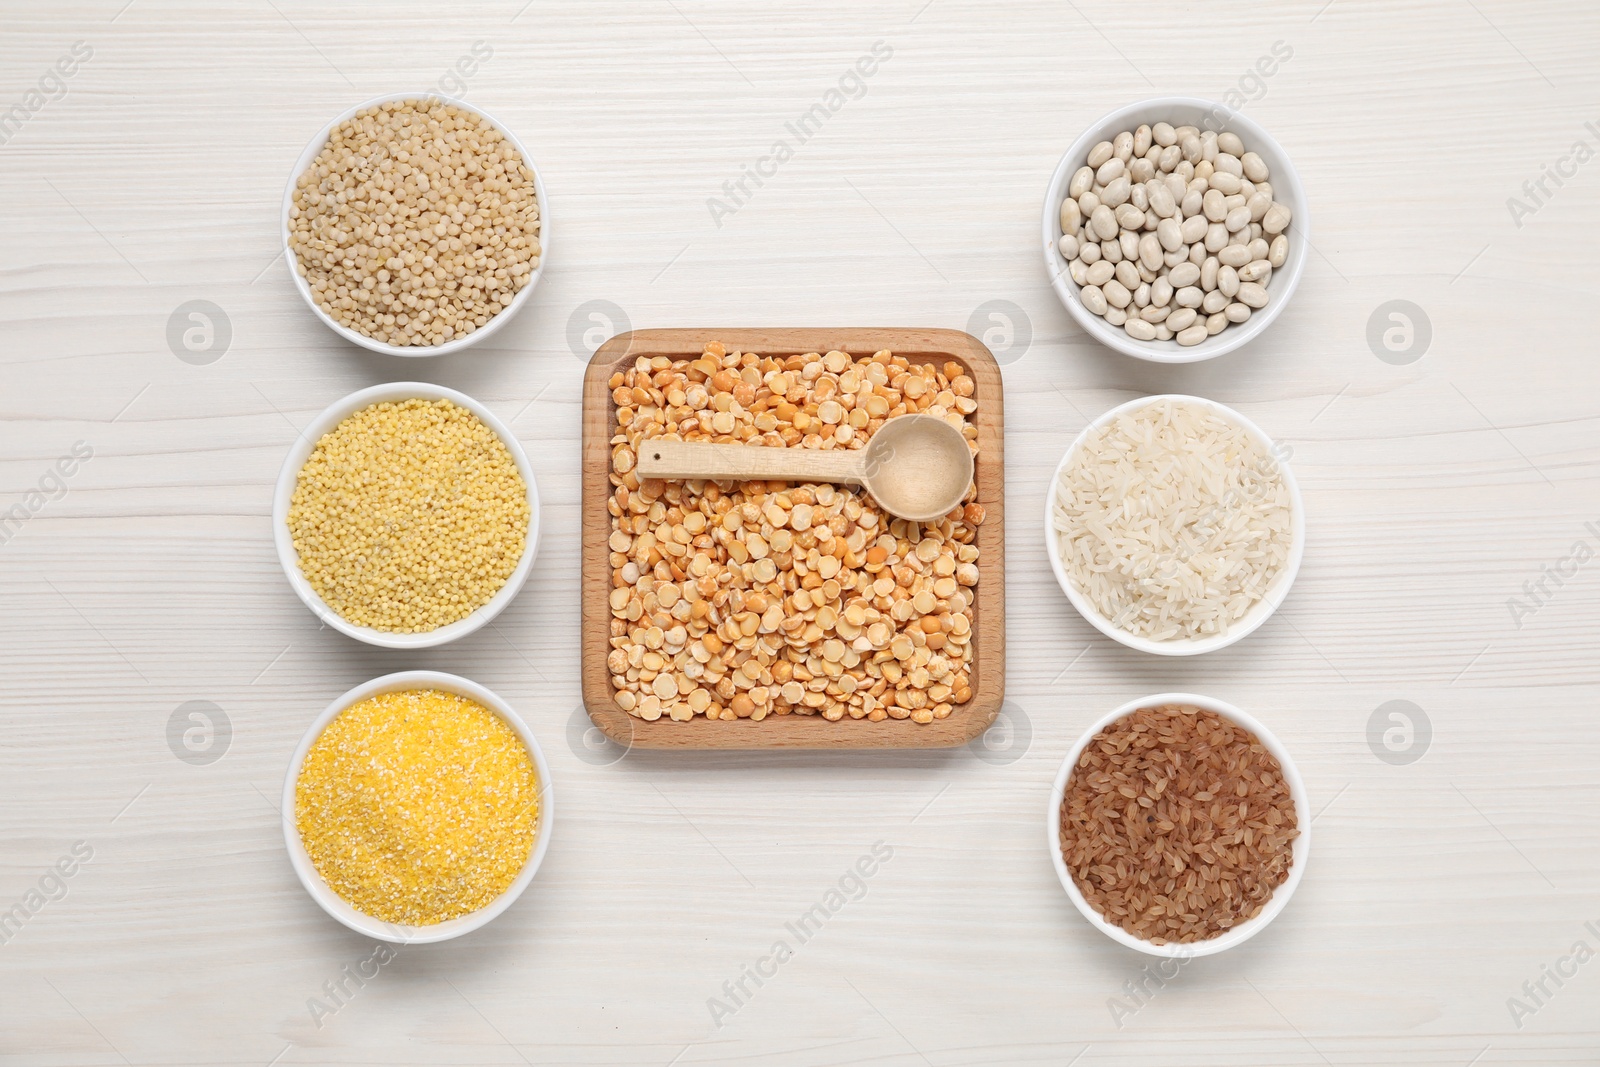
409	516
417	806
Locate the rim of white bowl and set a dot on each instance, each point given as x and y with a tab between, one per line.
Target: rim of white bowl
1280	896
1286	188
415	351
289	475
336	905
1259	613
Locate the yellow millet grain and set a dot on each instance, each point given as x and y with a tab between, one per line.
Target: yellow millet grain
417	806
409	516
416	224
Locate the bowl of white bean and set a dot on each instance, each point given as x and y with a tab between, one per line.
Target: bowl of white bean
1175	229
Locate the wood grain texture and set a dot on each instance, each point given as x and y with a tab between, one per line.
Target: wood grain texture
1435	491
797	732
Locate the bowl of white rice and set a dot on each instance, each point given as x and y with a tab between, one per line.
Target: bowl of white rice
1174	525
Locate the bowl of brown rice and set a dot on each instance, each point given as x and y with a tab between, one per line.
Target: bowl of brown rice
406	515
415	225
1179	825
1174	525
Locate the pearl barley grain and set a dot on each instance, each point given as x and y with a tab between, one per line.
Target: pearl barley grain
416	224
1185	220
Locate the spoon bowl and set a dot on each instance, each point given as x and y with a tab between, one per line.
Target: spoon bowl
916	467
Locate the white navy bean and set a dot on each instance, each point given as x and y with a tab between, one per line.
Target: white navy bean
1216	322
1181	319
1237	312
1161	200
1234	255
1278	251
1183	274
1104	222
1229	142
1276	220
1101	272
1252	295
1093	299
1192	336
1150	250
1099	154
1170	234
1140	330
1214	302
1208	273
1254	167
1227	281
1082	182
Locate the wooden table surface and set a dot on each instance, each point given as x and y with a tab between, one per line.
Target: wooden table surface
1448	459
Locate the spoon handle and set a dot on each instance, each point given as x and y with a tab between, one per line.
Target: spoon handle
743	463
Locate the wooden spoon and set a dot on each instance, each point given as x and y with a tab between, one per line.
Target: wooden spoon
917	467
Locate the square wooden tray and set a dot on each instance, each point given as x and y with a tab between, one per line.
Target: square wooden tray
967	720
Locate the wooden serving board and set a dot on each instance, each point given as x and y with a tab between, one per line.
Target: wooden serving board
988	672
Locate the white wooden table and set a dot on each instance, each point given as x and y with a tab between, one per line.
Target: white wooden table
1438	482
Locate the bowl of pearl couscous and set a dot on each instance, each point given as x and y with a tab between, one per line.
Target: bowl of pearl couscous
415	225
406	515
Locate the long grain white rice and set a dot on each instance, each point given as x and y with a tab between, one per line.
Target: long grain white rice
1172	521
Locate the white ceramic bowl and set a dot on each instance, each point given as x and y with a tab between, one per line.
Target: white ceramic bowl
334	904
1245	930
300	451
456	344
1286	189
1258	613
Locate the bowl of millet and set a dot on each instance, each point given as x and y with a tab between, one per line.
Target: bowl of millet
417	807
415	225
406	515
